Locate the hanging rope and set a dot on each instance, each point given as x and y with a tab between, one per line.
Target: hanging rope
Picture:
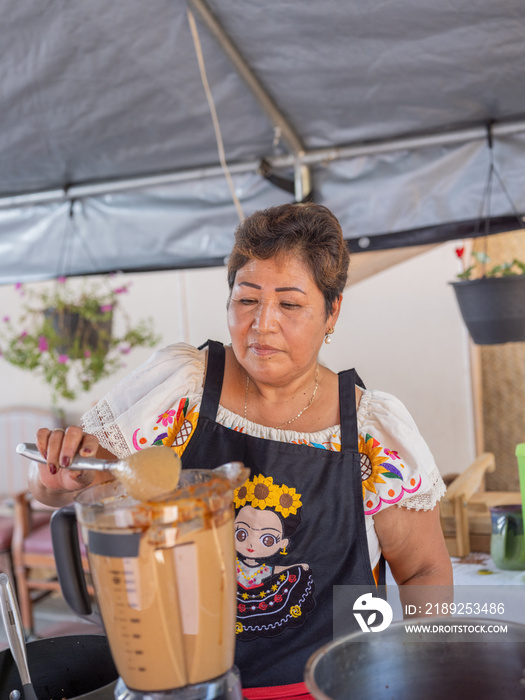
66	249
83	241
484	214
213	111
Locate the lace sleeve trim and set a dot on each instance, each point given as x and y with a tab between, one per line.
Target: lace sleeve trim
427	500
100	422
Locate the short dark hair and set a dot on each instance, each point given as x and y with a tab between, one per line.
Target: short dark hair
309	230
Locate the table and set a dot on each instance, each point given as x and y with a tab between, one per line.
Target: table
479	582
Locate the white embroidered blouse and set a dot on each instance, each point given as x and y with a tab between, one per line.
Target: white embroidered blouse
159	403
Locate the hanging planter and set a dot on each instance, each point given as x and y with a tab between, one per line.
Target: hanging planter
493	304
493	308
79	335
65	335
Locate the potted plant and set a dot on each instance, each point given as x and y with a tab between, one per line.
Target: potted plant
65	334
493	304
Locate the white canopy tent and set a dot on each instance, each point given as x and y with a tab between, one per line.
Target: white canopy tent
381	111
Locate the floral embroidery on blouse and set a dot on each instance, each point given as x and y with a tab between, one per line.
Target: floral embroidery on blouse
180	425
382	481
382	471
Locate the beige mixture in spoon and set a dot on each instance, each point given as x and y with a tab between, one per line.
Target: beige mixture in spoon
149	474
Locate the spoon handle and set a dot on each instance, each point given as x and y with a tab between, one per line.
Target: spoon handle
30	450
15	634
29	692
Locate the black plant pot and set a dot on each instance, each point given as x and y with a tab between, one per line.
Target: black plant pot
78	333
493	308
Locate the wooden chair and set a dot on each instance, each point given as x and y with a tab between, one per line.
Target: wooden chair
465	510
6	537
7	526
33	558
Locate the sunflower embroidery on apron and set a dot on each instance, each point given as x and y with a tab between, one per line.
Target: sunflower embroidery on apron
270	597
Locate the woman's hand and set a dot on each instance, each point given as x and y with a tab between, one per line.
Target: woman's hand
53	485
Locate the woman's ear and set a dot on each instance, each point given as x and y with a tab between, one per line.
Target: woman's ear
336	308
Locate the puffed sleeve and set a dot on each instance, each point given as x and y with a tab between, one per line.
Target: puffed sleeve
397	466
146	398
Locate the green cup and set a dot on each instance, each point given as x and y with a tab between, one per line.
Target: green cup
520	454
507	545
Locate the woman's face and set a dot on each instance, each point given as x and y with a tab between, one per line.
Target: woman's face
277	319
258	533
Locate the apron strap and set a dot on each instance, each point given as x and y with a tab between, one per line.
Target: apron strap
213	382
347	409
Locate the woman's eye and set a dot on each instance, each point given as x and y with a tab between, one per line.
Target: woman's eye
268	540
241	535
247	302
289	305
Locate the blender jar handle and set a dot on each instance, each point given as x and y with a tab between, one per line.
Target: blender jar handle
66	548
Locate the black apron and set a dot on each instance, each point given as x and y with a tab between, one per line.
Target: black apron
284	603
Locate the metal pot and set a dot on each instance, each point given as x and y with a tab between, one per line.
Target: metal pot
76	667
392	665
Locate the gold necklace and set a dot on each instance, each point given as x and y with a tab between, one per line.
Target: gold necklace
300	412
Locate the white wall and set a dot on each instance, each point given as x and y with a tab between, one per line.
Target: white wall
400	329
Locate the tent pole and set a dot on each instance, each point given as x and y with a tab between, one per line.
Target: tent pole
302	179
261	94
310	158
302	182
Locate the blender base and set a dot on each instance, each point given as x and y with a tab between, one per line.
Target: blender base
225	687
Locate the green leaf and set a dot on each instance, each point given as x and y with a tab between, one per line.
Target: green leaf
466	274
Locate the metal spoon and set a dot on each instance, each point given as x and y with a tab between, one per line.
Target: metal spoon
146	475
15	635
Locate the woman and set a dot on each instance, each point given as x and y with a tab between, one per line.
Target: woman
328	458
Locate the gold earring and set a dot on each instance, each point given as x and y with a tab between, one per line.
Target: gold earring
283	551
327	338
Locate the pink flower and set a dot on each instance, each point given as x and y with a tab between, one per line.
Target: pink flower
121	290
19	288
62	359
106	307
5	319
23	334
87	353
166	418
393	454
42	344
125	349
61	279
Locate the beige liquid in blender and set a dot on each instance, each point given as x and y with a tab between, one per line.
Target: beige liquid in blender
170	612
